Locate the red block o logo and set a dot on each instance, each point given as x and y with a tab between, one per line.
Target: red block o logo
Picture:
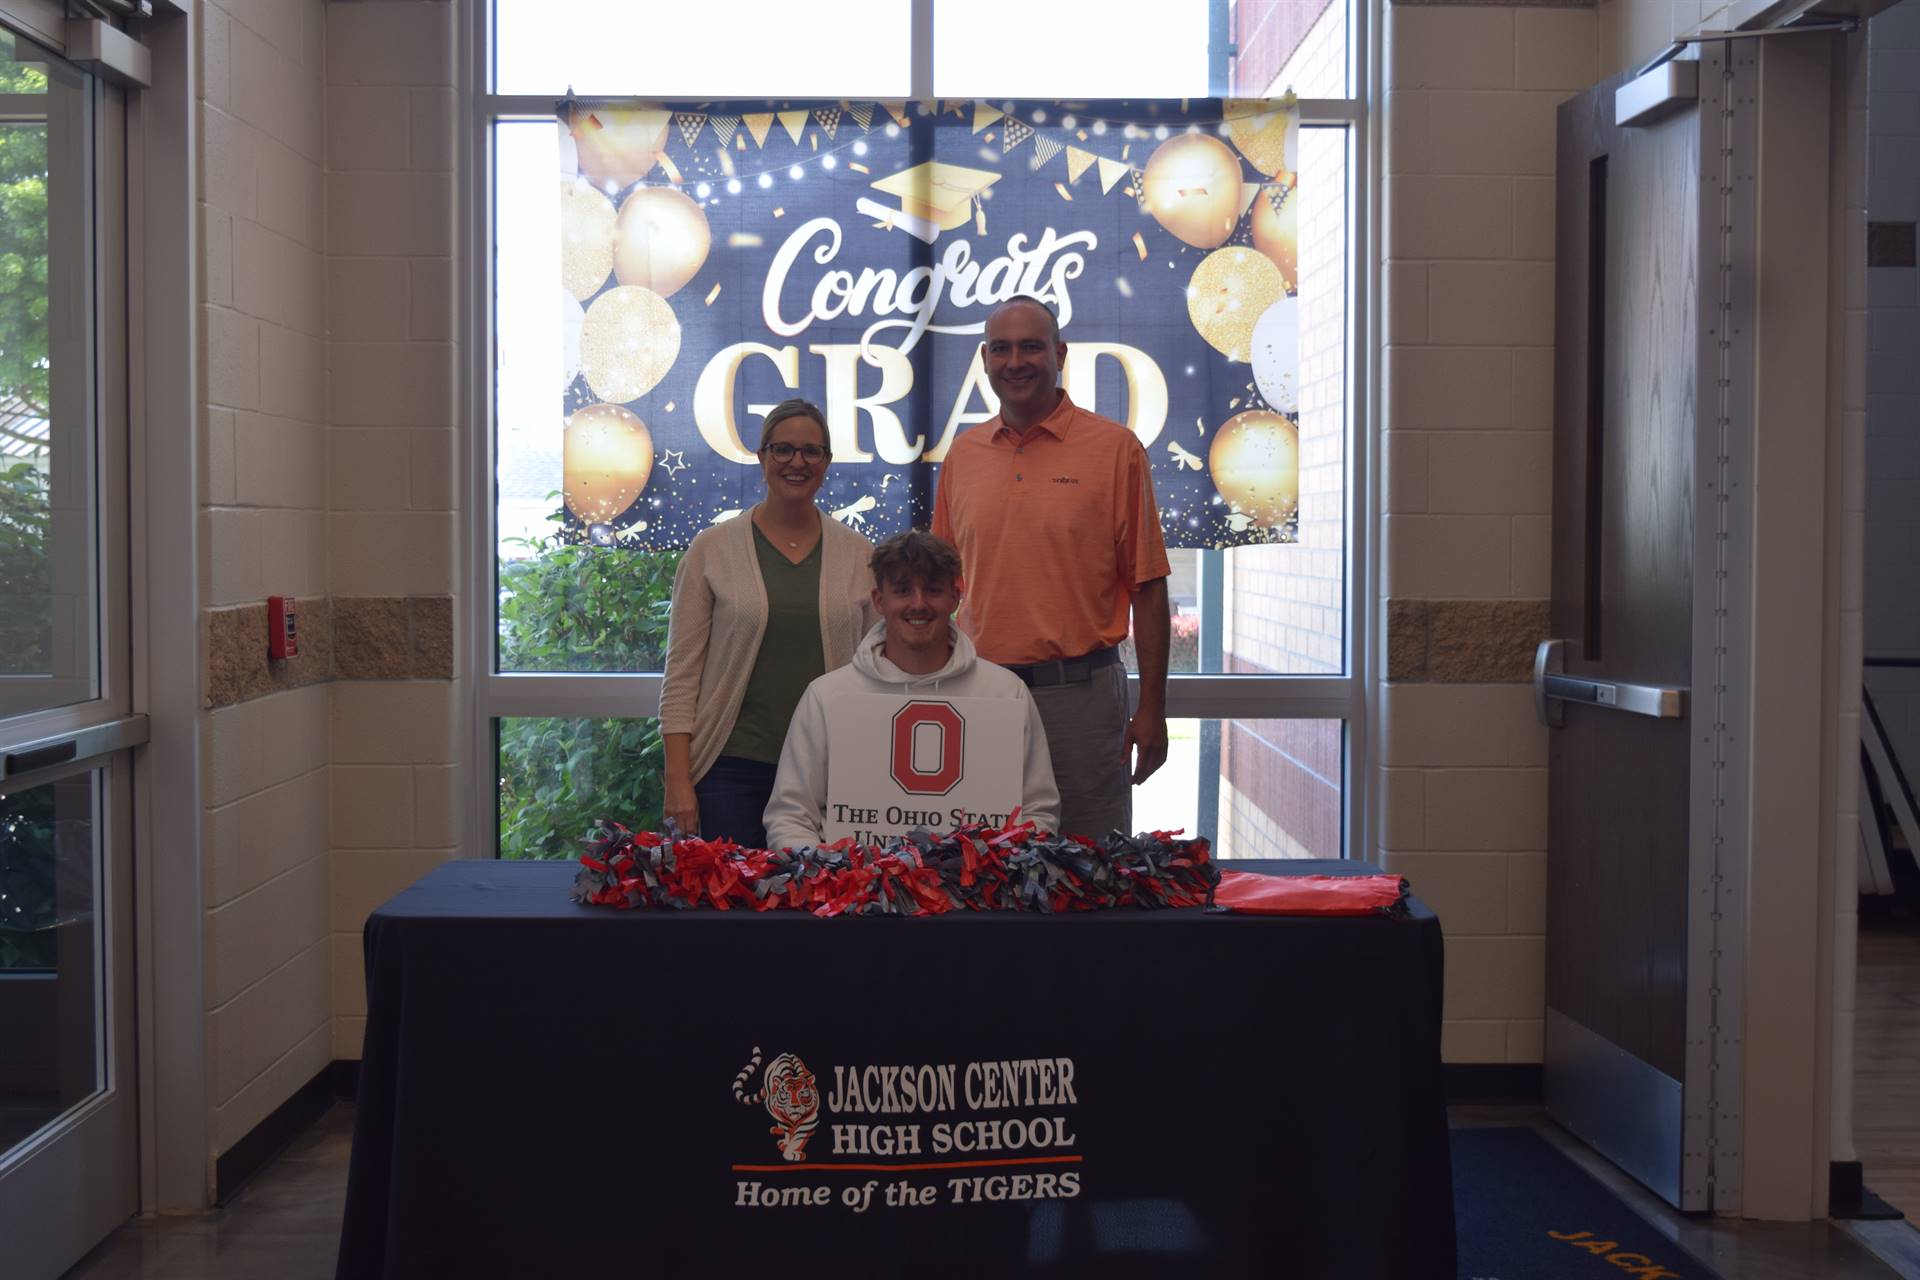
952	731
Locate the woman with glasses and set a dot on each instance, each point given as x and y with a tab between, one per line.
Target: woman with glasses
762	604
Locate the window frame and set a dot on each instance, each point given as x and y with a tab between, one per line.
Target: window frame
497	695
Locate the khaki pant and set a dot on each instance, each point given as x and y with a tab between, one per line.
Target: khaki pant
1087	736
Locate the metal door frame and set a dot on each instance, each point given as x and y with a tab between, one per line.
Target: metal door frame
95	1145
78	1178
1711	1146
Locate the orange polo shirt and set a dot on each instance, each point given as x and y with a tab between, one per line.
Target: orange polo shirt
1056	531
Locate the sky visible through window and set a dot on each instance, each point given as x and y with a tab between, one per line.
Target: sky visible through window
795	48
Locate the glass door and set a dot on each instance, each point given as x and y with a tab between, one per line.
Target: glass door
68	1171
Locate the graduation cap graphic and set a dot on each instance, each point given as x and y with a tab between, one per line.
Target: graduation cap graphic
934	197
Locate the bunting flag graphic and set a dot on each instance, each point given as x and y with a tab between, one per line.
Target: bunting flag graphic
795	123
1138	188
1111	171
723	127
1078	162
690	123
862	113
1248	191
829	118
758	123
1044	149
984	115
898	110
1014	134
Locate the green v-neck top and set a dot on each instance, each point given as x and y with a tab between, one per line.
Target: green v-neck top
790	656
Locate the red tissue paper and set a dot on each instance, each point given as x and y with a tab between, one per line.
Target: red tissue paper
973	868
1260	895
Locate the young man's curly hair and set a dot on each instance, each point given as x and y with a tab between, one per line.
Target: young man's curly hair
914	556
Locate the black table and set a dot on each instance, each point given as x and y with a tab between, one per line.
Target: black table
551	1090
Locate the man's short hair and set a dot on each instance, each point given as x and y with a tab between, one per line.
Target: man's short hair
1028	299
914	556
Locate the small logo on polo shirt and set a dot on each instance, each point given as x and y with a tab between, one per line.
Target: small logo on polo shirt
1066	479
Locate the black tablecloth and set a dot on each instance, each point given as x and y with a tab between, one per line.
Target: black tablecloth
554	1090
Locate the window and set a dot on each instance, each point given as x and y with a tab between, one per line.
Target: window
1267	649
49	656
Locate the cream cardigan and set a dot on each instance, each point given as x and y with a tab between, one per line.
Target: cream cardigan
719	618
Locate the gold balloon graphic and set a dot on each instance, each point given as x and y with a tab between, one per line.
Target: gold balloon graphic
628	343
1193	189
608	455
586	238
1230	290
661	240
1255	464
1276	231
617	147
1267	134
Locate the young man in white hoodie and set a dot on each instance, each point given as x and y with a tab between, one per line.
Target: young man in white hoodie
914	648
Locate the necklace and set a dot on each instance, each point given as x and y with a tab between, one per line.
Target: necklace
793	544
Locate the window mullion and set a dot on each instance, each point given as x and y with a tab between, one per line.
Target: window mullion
920	51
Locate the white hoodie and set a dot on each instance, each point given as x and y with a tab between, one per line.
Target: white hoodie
797	811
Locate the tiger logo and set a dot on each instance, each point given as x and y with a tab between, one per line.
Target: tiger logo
792	1098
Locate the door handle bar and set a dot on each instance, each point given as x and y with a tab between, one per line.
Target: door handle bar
1552	687
75	744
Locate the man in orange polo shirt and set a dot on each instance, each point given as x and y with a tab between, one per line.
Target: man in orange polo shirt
1052	509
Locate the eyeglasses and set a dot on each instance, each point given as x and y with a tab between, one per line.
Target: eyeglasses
781	451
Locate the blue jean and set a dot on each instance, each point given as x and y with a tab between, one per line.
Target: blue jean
733	798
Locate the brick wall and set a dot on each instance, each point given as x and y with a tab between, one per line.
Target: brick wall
1269	35
1285	606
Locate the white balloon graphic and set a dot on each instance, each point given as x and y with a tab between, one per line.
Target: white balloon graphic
572	317
1276	355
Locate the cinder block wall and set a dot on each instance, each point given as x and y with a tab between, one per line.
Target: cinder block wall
1466	450
262	450
398	711
328	447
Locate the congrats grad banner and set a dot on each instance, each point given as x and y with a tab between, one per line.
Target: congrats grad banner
716	261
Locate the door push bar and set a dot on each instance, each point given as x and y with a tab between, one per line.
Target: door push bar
1551	688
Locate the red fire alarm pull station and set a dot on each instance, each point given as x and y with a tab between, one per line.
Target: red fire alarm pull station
282	641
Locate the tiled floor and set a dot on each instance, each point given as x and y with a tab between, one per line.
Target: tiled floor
1737	1249
284	1225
